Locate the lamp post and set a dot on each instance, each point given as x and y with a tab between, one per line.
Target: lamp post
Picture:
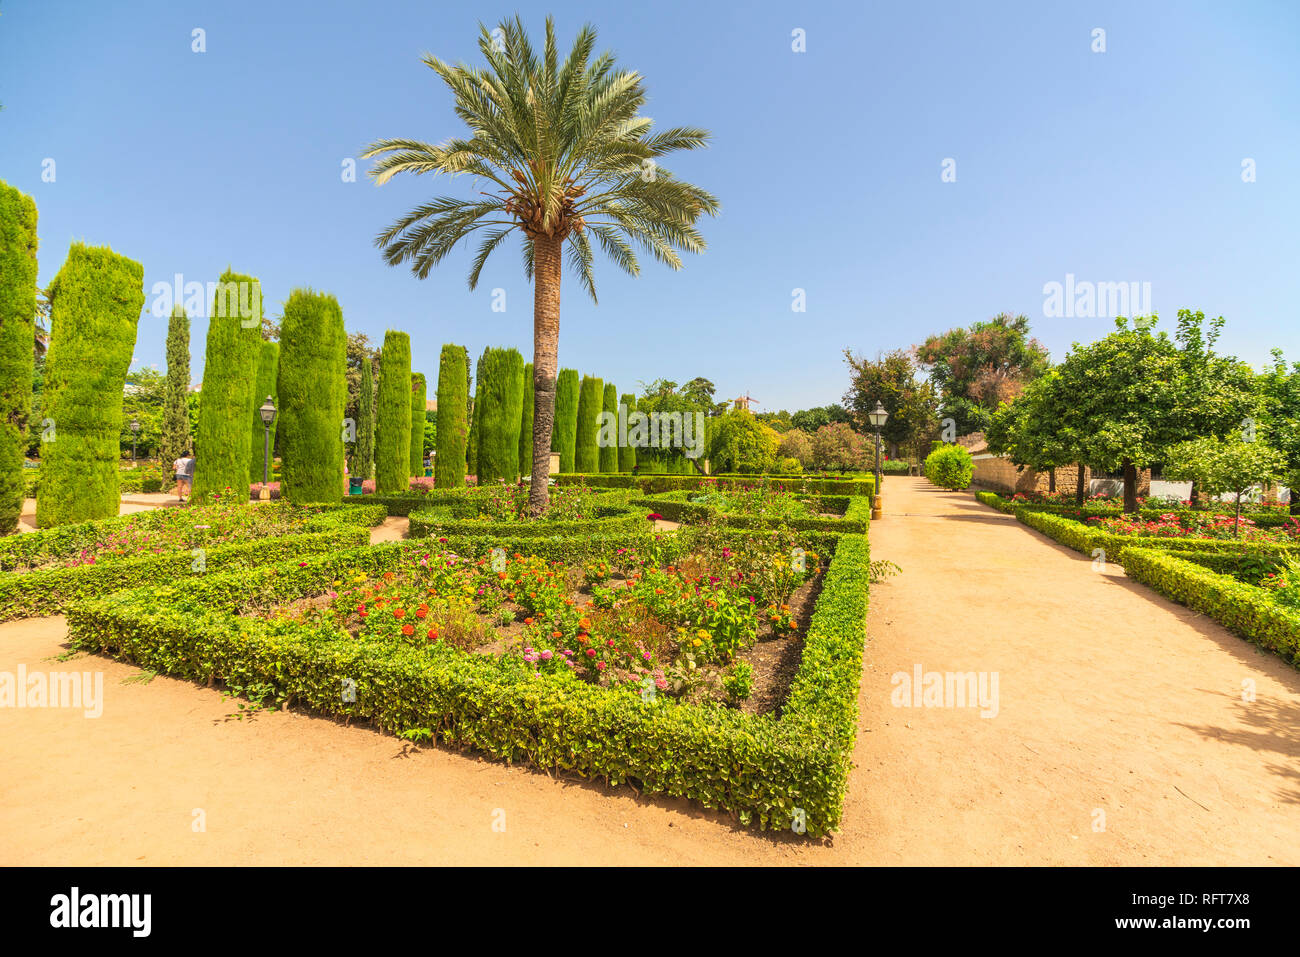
267	412
877	418
135	434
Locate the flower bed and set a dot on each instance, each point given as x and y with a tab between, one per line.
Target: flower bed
46	570
655	484
515	704
763	508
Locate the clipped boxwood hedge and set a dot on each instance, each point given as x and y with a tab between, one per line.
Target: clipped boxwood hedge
1243	609
655	484
437	522
1084	539
769	771
677	507
48	591
1262	519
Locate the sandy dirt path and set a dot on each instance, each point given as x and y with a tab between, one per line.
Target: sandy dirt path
1110	699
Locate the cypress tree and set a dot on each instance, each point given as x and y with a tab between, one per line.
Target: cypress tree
475	416
586	456
363	457
627	452
313	395
226	401
95	307
419	399
393	415
526	424
268	372
453	427
501	380
17	344
564	438
176	440
609	453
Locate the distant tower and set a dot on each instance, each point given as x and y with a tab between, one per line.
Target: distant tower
745	401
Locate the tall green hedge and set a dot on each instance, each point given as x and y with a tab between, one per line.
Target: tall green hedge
627	452
393	415
526	424
17	337
419	399
609	453
501	382
95	306
176	440
313	395
453	427
475	415
363	456
586	455
268	372
565	435
226	399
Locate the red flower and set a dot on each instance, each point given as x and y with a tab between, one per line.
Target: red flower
408	630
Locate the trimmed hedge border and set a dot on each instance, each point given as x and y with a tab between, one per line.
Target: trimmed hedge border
655	484
1083	539
48	591
1242	609
764	769
675	507
1270	519
425	524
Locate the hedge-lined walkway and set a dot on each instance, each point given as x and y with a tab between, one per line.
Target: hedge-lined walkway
1109	698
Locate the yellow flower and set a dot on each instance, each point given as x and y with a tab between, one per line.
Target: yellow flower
701	634
696	642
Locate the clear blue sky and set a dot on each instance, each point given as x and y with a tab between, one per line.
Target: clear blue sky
1115	166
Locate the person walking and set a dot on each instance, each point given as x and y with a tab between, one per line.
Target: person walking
186	482
178	476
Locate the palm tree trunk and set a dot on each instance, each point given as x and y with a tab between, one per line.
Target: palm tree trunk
546	344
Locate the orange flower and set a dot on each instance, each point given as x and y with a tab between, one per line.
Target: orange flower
408	630
528	621
388	576
582	639
584	623
557	634
399	612
422	611
433	633
501	575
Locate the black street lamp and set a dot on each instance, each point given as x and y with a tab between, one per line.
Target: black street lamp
267	412
135	434
877	418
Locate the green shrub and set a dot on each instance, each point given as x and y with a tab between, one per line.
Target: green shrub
95	305
419	403
176	440
609	452
498	414
393	415
453	423
627	451
949	466
586	455
472	448
526	424
227	399
18	244
564	437
1246	610
362	464
261	450
313	395
654	484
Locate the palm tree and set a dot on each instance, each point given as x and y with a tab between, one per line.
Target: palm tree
569	158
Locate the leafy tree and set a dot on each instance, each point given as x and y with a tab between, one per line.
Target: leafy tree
419	400
566	156
837	447
1034	431
1279	390
796	444
143	397
268	375
526	423
608	454
498	414
741	443
312	394
891	379
777	420
362	464
586	456
627	451
564	436
176	439
1225	465
453	426
977	369
393	415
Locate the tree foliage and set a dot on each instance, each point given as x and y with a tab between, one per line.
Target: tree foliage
313	395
